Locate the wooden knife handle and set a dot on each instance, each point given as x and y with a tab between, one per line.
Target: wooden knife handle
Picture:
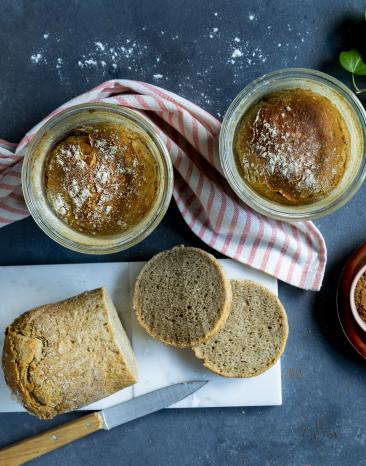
32	447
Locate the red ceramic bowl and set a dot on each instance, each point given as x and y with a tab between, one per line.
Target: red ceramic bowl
352	329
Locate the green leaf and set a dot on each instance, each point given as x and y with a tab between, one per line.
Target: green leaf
352	62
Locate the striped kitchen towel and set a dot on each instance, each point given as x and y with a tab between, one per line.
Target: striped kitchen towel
294	253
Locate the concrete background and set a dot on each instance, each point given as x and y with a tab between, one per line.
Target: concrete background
52	51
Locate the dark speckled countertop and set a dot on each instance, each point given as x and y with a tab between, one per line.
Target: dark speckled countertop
207	51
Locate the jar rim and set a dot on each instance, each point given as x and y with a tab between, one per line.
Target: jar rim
121	241
243	190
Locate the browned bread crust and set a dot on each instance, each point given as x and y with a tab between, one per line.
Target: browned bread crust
292	146
61	356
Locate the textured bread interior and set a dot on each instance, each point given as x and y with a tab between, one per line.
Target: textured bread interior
182	296
253	337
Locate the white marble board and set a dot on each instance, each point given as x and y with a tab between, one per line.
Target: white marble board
24	287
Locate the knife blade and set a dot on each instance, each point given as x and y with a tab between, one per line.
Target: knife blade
43	443
148	403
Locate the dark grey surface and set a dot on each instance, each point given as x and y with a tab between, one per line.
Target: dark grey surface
322	420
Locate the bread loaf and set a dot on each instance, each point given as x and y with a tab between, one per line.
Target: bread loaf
182	297
61	356
253	337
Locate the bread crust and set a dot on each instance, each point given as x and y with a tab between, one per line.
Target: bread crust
62	356
292	147
200	354
222	315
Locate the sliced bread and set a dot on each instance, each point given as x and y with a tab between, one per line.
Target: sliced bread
61	356
182	297
253	337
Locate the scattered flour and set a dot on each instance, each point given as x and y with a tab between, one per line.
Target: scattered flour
36	58
59	204
245	54
127	55
99	46
87	63
213	32
105	56
102	174
237	53
284	153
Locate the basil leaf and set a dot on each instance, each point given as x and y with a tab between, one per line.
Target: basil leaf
352	62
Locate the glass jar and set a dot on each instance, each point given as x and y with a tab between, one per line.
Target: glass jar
354	117
56	129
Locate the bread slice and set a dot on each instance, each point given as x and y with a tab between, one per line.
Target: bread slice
253	337
61	356
182	297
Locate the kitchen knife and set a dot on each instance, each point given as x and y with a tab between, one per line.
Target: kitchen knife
38	445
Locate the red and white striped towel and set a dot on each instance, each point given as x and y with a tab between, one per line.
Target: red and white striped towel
294	253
